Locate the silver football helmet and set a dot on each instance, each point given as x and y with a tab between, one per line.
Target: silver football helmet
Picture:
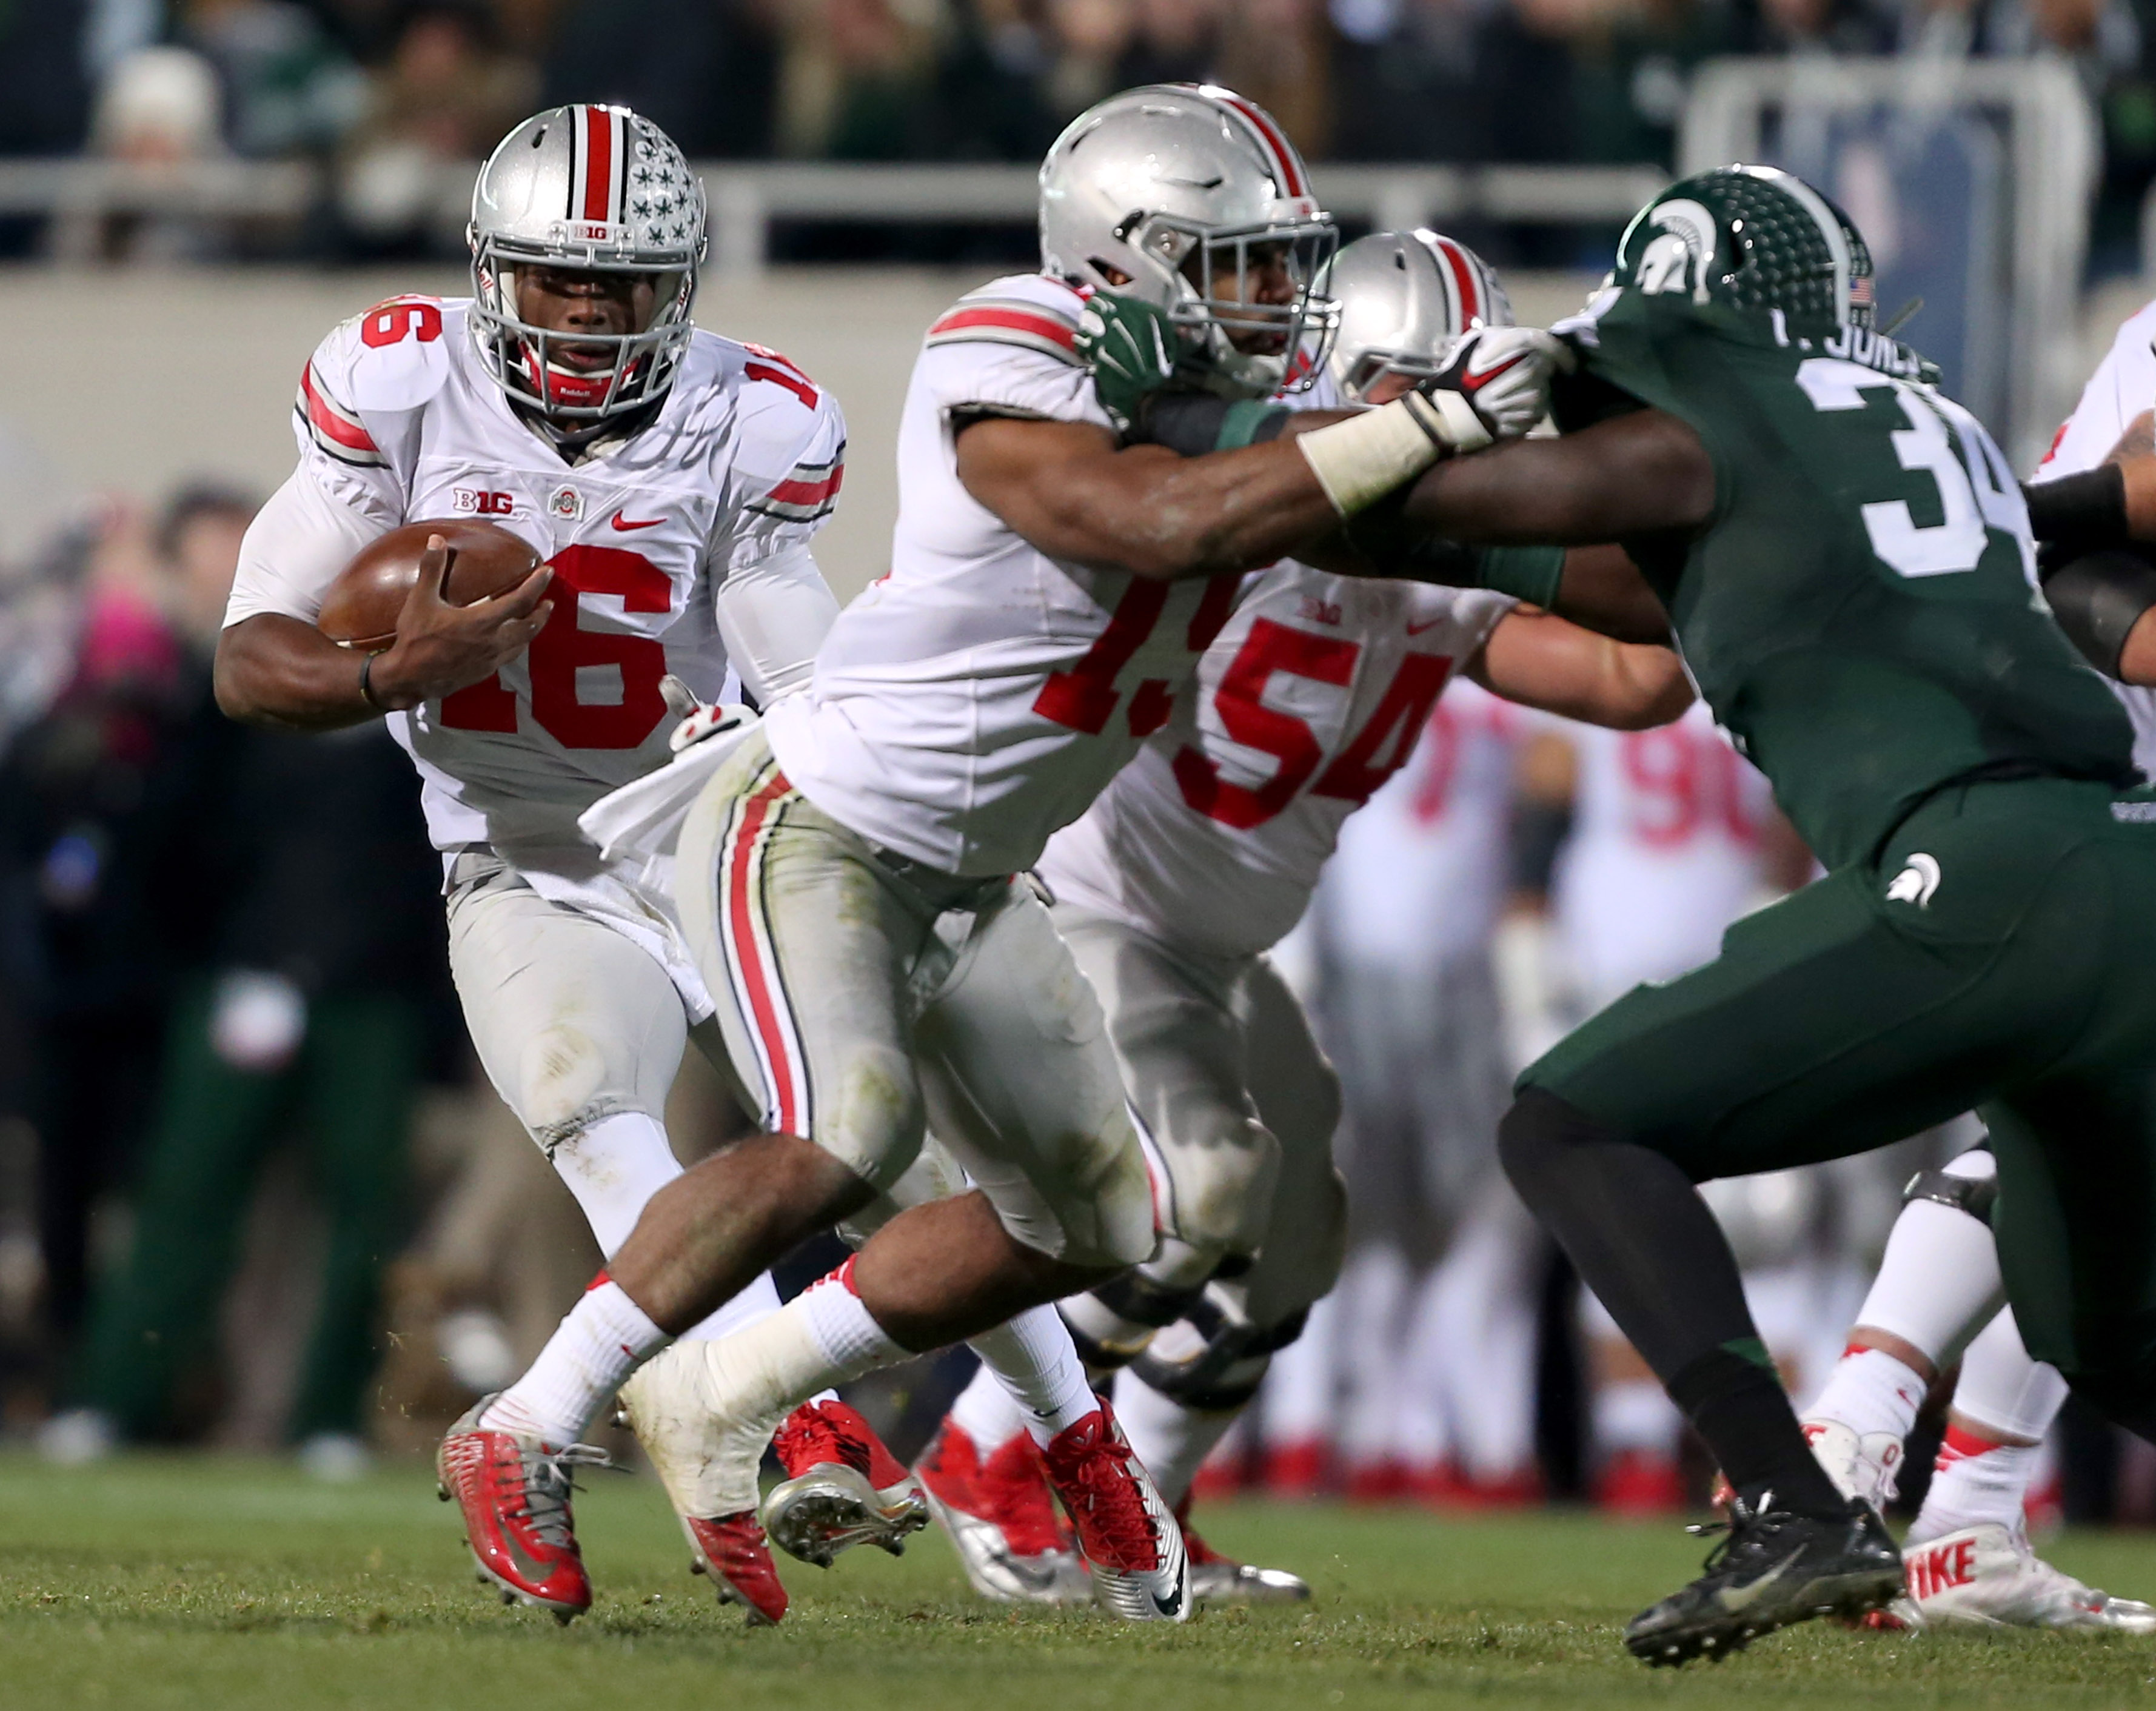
1405	298
1180	194
585	187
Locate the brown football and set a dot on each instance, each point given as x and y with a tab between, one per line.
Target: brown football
359	609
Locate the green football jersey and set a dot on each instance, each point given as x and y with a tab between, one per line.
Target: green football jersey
1861	611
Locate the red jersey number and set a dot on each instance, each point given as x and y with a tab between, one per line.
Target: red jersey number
400	318
564	648
1683	782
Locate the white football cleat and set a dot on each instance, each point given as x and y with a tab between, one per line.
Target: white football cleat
1989	1576
1000	1516
709	1465
1127	1532
1865	1465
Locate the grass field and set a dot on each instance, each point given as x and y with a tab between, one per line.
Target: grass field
156	1582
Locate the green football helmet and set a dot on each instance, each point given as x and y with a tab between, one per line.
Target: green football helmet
1755	238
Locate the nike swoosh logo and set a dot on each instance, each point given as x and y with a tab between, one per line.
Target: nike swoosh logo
621	521
1733	1599
1417	629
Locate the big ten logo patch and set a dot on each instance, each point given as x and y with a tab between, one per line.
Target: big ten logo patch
479	502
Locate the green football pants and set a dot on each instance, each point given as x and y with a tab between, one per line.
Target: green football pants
1999	955
348	1090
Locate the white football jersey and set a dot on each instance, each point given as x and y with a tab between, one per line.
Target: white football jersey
1421	877
1664	851
980	695
2123	387
398	421
1313	696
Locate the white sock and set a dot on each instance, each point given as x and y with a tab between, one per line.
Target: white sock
1169	1439
614	1169
748	1383
1975	1479
986	1413
1938	1283
1870	1391
2002	1389
1033	1357
760	1300
605	1337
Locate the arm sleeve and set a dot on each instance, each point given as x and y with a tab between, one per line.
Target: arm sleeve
294	549
773	616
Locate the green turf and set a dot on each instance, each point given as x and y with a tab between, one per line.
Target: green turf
160	1582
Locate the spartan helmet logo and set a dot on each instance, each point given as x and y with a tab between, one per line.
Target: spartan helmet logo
1676	259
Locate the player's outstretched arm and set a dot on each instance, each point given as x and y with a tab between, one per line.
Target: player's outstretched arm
1540	660
1068	490
1639	474
275	669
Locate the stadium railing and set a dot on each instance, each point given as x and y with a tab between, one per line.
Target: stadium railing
746	199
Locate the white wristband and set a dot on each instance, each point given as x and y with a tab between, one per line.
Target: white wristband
1359	461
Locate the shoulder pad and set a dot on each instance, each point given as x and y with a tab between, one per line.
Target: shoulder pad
1031	310
392	358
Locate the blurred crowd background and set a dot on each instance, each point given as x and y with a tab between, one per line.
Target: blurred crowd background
254	1192
385	92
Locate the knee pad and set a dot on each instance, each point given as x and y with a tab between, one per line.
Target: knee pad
1220	1182
567	1080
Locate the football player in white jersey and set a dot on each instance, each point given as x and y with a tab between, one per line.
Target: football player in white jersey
853	878
1938	1297
1197	858
672	481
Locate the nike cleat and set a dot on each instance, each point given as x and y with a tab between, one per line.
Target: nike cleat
514	1493
731	1550
1000	1516
1216	1579
1865	1465
843	1488
1125	1533
1771	1569
1989	1576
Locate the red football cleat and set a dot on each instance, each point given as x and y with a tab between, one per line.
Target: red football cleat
514	1493
1125	1533
1001	1516
843	1487
731	1551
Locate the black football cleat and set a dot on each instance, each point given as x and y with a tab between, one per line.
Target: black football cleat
1771	1569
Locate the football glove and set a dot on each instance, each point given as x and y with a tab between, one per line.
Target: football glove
1494	385
1132	350
699	719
